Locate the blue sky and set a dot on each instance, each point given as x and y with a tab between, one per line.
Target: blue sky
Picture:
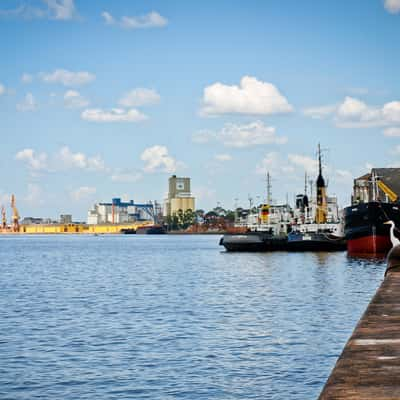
105	99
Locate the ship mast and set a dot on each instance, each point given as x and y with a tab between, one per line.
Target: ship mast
321	215
268	189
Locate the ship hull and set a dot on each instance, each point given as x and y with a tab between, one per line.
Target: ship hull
365	230
253	241
315	241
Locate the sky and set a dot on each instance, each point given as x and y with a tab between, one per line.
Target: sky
109	99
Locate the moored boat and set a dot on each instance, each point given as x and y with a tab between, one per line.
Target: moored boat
374	202
317	226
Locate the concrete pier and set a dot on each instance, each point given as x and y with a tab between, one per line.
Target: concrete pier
369	366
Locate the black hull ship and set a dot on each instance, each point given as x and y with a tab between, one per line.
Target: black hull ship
364	227
254	241
315	241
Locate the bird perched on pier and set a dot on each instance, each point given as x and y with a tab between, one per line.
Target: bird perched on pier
393	257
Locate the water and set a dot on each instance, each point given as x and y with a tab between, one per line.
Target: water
172	317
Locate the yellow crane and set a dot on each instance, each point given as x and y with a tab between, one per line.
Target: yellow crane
15	215
389	192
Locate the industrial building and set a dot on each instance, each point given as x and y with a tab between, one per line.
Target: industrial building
179	196
381	184
120	212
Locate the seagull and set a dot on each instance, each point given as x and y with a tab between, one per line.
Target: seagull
393	258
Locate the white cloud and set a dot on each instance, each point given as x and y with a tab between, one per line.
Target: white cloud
150	20
68	159
56	9
204	136
392	132
232	135
393	6
28	104
354	113
223	157
319	112
251	97
253	134
307	163
26	78
108	18
157	159
35	162
113	115
82	193
126	176
61	9
2	89
139	97
272	162
68	78
73	99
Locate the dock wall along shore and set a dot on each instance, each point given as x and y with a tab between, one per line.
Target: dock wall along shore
369	366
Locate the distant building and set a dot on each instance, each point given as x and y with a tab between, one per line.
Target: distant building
381	184
119	212
37	221
179	196
65	219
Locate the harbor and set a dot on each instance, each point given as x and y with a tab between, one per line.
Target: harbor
200	200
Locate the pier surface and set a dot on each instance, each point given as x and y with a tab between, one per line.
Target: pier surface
369	366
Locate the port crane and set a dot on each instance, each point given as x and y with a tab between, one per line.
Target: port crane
386	189
15	215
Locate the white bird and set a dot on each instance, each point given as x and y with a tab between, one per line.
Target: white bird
393	238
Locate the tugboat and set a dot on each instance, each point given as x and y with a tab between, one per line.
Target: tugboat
374	201
265	231
319	228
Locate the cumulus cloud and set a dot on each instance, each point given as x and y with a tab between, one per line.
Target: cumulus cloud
354	113
113	115
26	78
203	136
223	157
56	9
392	6
151	20
34	161
157	159
139	97
28	104
79	160
2	89
233	135
277	164
68	78
319	112
61	9
392	132
273	162
251	97
73	99
82	193
306	163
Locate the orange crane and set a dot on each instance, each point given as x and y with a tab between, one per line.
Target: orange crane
15	215
4	218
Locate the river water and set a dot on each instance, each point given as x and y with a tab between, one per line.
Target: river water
172	317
